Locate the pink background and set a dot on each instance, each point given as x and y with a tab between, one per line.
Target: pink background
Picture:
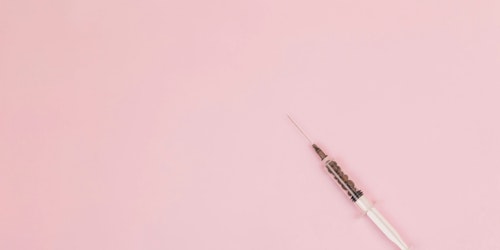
161	124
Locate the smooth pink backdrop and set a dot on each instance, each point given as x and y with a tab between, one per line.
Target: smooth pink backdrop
161	124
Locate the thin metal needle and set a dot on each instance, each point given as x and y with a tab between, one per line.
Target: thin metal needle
299	128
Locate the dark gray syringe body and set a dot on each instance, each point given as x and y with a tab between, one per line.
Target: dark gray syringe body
361	201
337	174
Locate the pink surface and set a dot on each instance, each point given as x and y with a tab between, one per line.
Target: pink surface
161	124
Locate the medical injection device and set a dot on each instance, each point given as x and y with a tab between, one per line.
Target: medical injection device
355	194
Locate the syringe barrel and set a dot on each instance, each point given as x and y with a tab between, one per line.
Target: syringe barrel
342	179
337	174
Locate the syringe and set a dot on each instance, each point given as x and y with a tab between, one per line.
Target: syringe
355	194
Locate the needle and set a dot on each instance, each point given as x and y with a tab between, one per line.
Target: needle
300	129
